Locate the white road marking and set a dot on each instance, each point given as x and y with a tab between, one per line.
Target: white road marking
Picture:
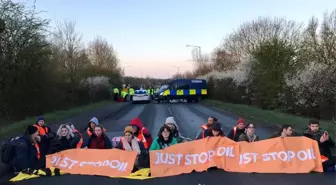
170	112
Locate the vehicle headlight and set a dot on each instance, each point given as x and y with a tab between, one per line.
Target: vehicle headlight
161	94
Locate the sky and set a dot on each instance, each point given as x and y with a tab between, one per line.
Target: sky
150	36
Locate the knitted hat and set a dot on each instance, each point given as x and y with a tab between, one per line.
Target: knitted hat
40	118
170	120
240	120
31	130
129	129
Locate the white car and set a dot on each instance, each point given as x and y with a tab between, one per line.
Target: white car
141	96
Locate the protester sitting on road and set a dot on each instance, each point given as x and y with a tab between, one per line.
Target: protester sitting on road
211	120
63	140
249	134
164	139
141	132
285	131
46	134
324	142
215	130
27	153
78	138
236	131
170	122
130	143
99	139
91	125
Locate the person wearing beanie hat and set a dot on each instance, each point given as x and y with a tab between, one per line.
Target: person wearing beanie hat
26	154
170	122
46	135
236	131
129	129
129	142
249	134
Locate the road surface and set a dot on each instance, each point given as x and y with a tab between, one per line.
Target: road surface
189	117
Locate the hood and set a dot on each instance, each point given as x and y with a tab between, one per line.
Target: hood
172	121
137	122
94	120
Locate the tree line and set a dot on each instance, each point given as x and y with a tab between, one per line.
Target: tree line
276	64
45	68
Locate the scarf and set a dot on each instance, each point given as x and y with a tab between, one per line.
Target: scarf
251	138
135	145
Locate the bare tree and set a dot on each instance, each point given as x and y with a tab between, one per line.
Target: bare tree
249	35
68	48
102	55
223	60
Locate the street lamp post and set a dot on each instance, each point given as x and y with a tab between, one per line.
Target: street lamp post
178	69
199	55
123	71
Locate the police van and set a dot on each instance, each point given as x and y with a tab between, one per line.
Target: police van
186	89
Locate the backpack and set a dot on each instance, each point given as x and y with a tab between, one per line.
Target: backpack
8	149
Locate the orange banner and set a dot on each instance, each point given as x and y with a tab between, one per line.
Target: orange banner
111	162
278	155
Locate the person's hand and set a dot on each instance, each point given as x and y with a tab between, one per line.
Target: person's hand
38	138
324	137
283	134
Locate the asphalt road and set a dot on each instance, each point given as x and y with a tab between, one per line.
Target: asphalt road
189	117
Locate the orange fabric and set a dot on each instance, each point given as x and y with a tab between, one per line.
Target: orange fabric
38	151
278	155
80	143
88	132
42	131
93	161
324	158
234	132
141	138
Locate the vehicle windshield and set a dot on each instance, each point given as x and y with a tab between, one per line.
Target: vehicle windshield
164	87
140	92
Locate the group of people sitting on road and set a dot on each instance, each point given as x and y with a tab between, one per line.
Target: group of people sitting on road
30	150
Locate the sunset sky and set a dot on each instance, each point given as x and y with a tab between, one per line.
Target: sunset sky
151	35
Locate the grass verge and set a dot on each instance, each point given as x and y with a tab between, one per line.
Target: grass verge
17	127
271	117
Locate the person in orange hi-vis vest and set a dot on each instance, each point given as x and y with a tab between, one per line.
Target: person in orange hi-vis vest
46	134
91	125
211	121
236	131
27	154
141	132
